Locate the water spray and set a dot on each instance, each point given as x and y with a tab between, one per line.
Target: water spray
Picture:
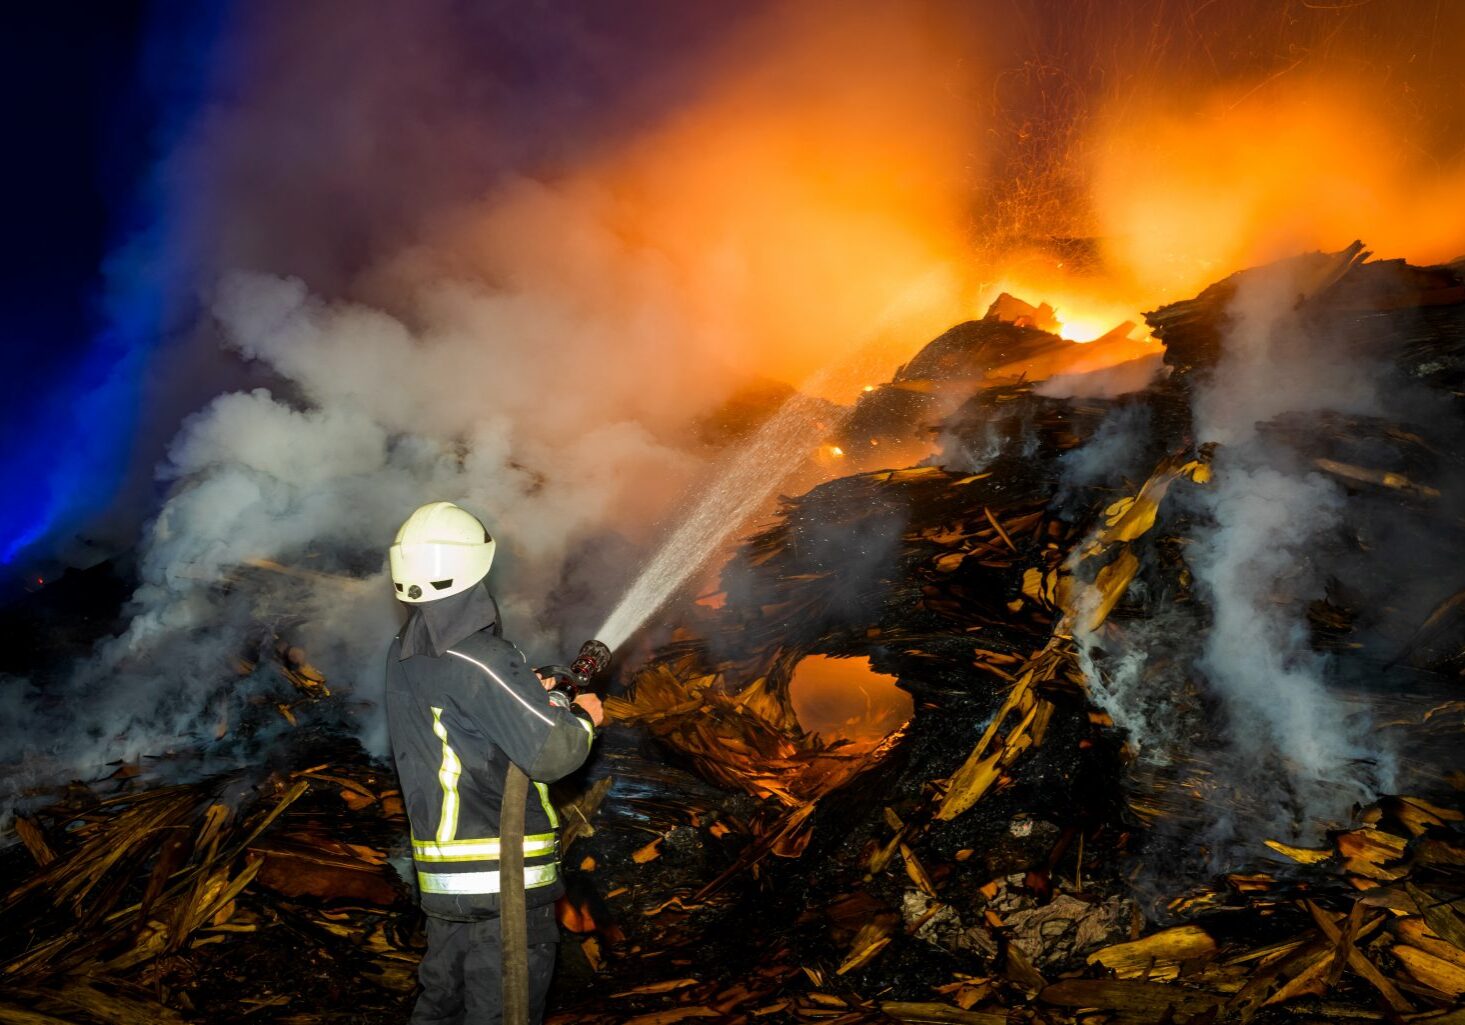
775	451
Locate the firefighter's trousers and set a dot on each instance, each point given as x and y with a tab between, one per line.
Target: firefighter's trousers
460	972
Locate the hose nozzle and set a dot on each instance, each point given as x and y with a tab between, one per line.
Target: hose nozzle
594	659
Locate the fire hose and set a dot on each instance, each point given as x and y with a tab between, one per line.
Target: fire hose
593	659
513	914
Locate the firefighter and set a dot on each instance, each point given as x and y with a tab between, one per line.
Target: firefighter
462	704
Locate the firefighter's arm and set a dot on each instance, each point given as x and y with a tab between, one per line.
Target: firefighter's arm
539	734
586	705
566	746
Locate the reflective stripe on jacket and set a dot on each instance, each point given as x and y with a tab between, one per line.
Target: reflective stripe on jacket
456	721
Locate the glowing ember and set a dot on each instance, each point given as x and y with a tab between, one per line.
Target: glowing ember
845	699
1084	329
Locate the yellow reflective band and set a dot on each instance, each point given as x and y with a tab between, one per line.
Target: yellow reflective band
482	882
479	850
447	775
554	820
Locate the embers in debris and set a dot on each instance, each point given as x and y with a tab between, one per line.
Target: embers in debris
845	699
1016	422
942	375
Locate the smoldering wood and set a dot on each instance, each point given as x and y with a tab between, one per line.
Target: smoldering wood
975	867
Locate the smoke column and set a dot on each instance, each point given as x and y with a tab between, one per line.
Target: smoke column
1258	562
1282	741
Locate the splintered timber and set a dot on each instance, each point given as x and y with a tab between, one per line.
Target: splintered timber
1082	816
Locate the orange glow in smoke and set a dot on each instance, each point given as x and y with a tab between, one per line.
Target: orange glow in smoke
809	210
1184	196
1186	192
815	197
1086	308
1084	328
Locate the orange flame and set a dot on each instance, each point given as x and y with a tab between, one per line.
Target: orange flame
807	209
1185	197
820	192
845	698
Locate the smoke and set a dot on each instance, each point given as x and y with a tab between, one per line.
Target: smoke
1272	365
1116	452
1182	142
506	256
1291	748
759	146
1121	670
1255	566
973	447
851	545
1258	560
1106	383
478	400
1189	191
435	294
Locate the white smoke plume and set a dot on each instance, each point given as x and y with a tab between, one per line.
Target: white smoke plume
370	417
1289	741
1258	563
1110	382
481	400
1123	686
435	295
1116	452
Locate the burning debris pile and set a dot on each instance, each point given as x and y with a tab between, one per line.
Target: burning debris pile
1050	589
211	901
1184	658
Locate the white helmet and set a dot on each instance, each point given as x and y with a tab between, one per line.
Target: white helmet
440	551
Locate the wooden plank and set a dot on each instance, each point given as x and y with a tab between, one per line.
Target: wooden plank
1129	996
939	1014
30	834
1359	962
1439	915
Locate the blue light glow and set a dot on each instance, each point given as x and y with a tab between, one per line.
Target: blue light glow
72	423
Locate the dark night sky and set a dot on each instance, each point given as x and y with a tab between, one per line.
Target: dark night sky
77	143
81	135
72	142
98	93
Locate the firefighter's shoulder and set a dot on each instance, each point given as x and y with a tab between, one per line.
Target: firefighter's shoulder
492	655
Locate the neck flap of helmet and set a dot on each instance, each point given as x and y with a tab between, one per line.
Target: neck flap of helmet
435	626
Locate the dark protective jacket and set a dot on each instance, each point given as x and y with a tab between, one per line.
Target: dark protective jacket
456	721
